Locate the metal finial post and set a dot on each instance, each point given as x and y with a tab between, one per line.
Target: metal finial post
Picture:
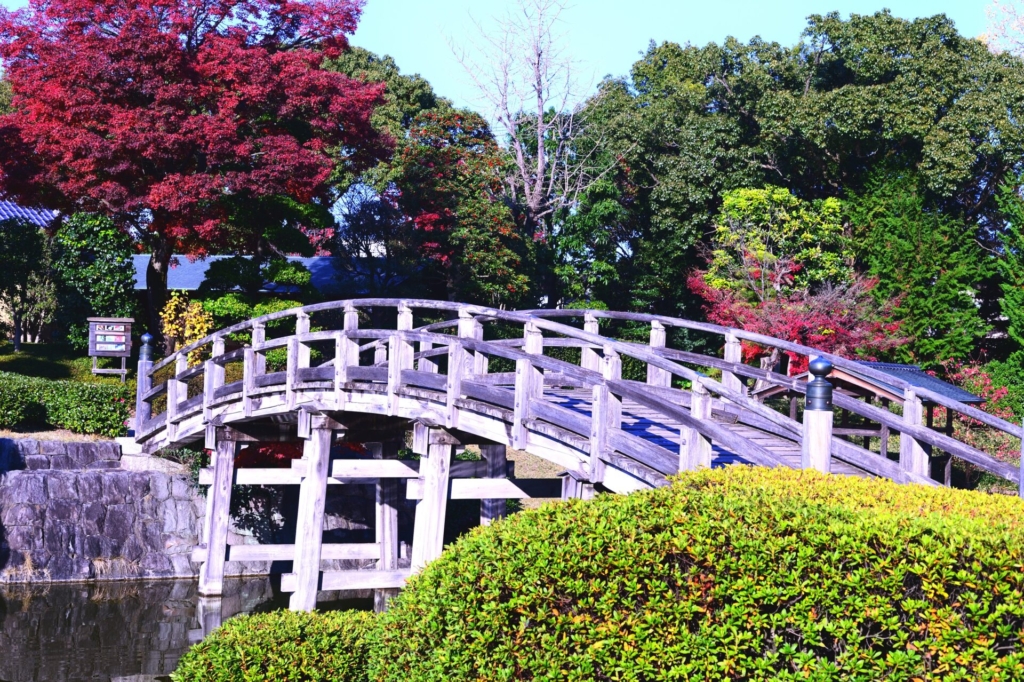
146	352
819	391
816	449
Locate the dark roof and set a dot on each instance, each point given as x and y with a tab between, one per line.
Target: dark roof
187	275
36	216
915	376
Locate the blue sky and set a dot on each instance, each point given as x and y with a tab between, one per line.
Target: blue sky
607	36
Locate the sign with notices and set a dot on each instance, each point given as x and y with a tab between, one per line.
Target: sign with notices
110	337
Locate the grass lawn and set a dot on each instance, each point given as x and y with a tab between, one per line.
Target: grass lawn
53	361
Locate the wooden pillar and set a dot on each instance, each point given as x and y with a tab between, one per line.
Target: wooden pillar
316	452
694	449
435	469
816	446
733	353
589	359
913	456
529	384
497	467
457	361
254	364
218	517
386	527
1020	474
655	375
177	391
883	432
605	414
794	404
575	487
213	377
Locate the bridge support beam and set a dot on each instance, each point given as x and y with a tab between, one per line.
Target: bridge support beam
497	467
316	452
575	487
218	513
435	469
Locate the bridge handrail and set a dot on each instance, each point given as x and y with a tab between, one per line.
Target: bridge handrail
660	358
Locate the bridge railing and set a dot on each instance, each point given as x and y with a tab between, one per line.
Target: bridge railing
190	384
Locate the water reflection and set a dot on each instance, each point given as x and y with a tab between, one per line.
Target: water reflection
116	631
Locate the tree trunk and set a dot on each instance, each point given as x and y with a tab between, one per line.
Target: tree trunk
16	317
156	287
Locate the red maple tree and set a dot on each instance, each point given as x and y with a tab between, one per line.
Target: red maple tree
844	320
161	113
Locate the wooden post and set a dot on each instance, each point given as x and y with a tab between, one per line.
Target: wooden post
427	365
292	372
471	328
428	532
655	375
176	392
453	386
259	337
497	467
883	433
316	452
213	377
302	327
1020	479
386	528
346	354
529	384
605	414
694	449
249	363
913	457
816	447
143	384
574	487
733	353
589	359
218	516
401	356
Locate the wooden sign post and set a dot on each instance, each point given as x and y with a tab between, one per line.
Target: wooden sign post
110	337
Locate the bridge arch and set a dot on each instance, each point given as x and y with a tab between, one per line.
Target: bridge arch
544	381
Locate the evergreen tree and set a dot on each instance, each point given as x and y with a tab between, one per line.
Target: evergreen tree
929	262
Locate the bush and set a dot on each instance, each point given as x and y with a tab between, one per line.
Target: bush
737	573
100	409
282	645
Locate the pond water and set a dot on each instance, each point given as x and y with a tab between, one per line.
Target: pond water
117	631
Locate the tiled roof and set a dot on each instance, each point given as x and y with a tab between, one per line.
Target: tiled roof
188	275
915	376
36	216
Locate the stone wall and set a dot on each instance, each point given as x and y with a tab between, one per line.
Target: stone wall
67	513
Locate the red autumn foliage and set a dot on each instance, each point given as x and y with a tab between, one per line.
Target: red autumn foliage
845	321
160	112
280	455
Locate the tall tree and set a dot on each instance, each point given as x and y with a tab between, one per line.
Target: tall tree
94	272
691	123
449	185
165	114
927	260
24	260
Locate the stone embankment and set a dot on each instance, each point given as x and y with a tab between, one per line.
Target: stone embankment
78	512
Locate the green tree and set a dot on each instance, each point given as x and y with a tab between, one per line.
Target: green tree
6	95
926	260
691	123
94	273
450	187
768	243
24	263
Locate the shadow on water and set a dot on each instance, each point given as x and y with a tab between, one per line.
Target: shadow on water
114	631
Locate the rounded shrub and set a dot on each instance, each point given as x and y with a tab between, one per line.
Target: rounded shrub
20	401
94	408
279	646
739	573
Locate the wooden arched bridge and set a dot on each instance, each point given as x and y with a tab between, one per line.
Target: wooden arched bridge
549	382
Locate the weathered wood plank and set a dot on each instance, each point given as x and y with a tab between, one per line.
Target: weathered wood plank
492	488
353	580
218	516
309	533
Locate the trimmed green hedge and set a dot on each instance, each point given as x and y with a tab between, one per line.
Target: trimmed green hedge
279	646
100	409
741	573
